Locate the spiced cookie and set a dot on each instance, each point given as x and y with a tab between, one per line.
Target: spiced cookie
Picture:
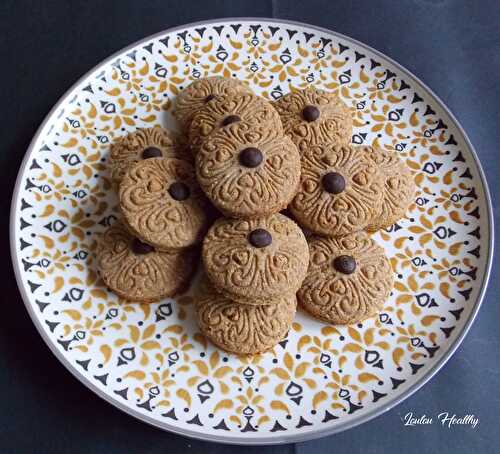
242	328
201	92
340	190
254	261
248	171
225	110
162	203
398	188
145	143
349	279
136	271
313	116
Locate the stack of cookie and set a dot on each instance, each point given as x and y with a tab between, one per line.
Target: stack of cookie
254	258
250	159
344	192
150	253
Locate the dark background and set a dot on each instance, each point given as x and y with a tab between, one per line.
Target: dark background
453	46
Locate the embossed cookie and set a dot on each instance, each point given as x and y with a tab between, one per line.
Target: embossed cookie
136	271
162	203
248	171
349	279
340	190
313	116
255	261
145	143
224	110
201	92
398	188
243	328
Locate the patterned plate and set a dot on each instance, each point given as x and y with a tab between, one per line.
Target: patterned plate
149	360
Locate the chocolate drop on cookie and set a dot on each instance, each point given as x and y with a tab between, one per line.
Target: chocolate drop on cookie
139	248
260	238
310	113
333	182
179	191
210	97
344	264
230	119
250	157
151	152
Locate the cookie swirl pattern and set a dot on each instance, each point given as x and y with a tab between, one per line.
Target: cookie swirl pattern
340	190
162	203
253	261
243	328
313	116
137	272
348	280
398	187
222	111
142	143
248	171
202	91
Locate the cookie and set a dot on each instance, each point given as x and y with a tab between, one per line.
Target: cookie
243	328
340	190
162	203
226	110
349	279
313	116
142	144
398	188
254	261
136	271
201	92
248	171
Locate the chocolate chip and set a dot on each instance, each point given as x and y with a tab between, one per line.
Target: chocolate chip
140	248
179	191
250	157
333	182
151	152
210	97
260	238
230	119
344	264
310	113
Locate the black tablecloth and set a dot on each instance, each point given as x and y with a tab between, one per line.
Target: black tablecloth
454	46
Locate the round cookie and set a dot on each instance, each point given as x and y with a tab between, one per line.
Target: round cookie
340	190
255	261
162	204
313	116
225	110
243	328
349	279
398	188
201	92
248	171
145	143
136	271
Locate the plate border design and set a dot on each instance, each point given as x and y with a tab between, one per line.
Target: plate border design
278	439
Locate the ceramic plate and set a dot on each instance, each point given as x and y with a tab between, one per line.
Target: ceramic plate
149	360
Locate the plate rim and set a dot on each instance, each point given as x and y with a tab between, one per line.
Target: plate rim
234	440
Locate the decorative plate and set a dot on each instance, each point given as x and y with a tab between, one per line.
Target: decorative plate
149	360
